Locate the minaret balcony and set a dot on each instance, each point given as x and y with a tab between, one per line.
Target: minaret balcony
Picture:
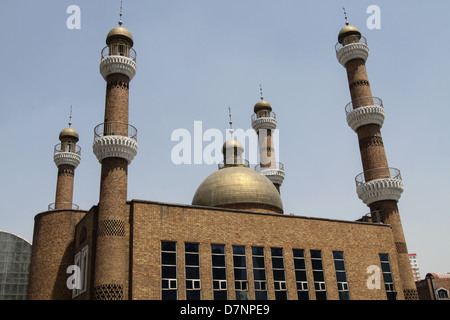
115	140
118	58
350	51
379	184
267	121
63	206
366	110
274	172
67	154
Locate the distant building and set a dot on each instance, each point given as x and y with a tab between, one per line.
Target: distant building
434	287
414	266
15	255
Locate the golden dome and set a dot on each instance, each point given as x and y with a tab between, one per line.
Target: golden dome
234	186
347	31
119	32
68	133
262	105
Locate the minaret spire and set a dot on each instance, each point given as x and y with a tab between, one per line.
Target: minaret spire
70	116
345	14
120	14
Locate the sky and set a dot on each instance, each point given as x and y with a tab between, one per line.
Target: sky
196	58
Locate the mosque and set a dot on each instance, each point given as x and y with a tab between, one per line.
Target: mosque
233	242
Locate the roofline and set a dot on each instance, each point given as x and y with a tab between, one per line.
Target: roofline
16	236
284	215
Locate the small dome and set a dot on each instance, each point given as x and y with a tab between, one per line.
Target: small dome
347	31
69	133
234	186
262	105
119	32
232	144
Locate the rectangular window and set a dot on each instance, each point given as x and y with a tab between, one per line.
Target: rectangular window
81	261
192	269
300	274
341	275
387	277
169	270
240	273
259	273
318	275
219	274
279	276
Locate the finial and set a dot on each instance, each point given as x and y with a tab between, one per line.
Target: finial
345	14
120	20
70	116
261	91
230	122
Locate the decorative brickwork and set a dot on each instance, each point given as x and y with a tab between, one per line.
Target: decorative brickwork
108	292
111	228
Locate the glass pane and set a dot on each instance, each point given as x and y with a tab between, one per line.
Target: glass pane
259	274
192	259
300	275
339	265
258	262
192	273
316	254
218	261
278	275
240	274
219	273
338	255
168	246
299	253
299	264
277	251
277	263
238	250
258	251
218	248
317	264
168	258
169	272
239	261
191	247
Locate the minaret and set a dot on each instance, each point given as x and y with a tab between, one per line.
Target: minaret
378	186
264	122
67	156
115	146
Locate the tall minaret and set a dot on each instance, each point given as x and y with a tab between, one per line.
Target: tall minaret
115	146
378	186
264	122
67	156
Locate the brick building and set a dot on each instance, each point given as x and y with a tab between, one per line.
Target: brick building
234	240
435	286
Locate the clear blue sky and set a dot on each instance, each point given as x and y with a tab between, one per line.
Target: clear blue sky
196	58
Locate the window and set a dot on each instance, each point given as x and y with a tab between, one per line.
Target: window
240	273
442	294
259	273
300	274
169	270
341	276
81	261
279	276
192	268
387	277
318	275
219	275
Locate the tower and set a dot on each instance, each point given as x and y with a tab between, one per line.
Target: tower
378	186
67	156
115	146
54	229
264	122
